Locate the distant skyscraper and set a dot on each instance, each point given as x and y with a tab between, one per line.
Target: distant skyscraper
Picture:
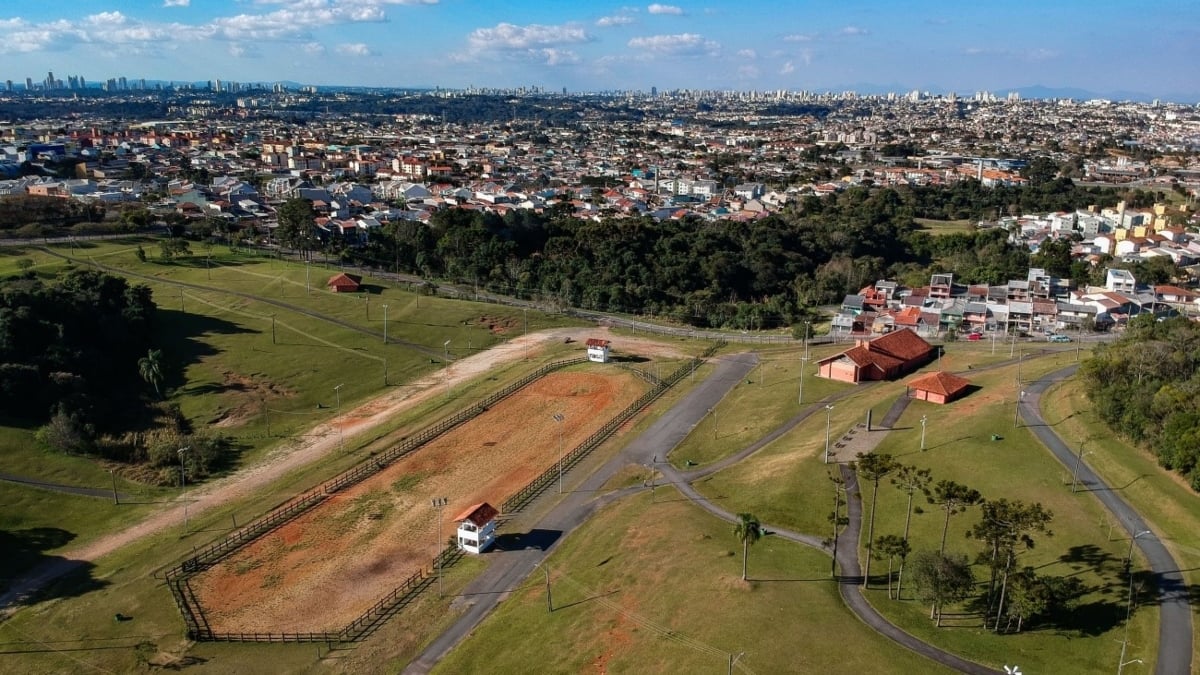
8	85
50	80
28	84
654	92
123	83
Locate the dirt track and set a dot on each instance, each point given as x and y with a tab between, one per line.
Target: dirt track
320	571
318	442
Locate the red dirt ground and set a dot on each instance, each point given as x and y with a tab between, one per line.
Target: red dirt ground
328	566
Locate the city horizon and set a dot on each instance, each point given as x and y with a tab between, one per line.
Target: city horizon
871	48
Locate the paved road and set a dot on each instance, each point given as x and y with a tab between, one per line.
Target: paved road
57	487
1175	614
428	351
509	567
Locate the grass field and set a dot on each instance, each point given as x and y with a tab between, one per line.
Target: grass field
937	227
1163	498
627	601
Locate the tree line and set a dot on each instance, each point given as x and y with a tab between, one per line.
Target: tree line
76	361
1146	387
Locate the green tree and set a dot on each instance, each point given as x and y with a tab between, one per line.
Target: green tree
150	368
953	498
910	480
874	467
1004	527
140	253
748	530
297	225
891	547
941	579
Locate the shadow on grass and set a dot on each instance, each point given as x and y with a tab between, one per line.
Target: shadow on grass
190	336
25	554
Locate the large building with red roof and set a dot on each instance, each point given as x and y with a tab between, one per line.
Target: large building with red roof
883	358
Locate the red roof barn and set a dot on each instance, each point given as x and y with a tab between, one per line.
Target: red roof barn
937	387
345	283
883	358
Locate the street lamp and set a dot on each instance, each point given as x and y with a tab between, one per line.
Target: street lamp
1129	556
923	420
439	503
446	347
828	411
385	324
546	570
1017	409
1078	461
183	487
525	311
558	417
733	658
337	391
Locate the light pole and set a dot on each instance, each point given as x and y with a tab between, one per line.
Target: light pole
439	503
1017	409
446	347
546	570
385	324
1129	556
558	417
273	329
1078	461
733	658
924	418
525	311
183	487
828	411
337	391
112	474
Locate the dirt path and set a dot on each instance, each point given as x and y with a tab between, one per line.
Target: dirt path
307	448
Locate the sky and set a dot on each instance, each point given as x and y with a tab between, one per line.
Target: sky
1149	46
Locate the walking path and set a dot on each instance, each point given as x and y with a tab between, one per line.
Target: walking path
1175	614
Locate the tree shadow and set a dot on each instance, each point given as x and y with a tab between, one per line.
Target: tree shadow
186	333
25	553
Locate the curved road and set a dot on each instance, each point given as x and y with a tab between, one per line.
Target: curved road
1175	614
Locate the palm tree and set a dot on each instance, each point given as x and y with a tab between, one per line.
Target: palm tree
150	368
748	530
873	467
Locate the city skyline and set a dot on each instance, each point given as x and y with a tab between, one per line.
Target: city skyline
868	46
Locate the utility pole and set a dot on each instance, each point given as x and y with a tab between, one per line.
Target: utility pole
1017	409
439	503
828	411
525	311
558	417
549	599
183	487
1078	461
337	391
924	418
113	475
733	658
273	329
385	324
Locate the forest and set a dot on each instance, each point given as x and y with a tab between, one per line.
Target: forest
77	362
1146	387
766	273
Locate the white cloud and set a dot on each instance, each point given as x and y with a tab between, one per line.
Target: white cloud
242	51
747	53
665	9
507	36
853	31
615	20
682	43
353	49
176	3
555	57
314	48
787	68
800	37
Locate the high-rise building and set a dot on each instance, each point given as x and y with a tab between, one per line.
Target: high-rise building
8	85
49	80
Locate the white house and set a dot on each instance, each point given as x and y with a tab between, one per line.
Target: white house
476	528
597	350
1121	281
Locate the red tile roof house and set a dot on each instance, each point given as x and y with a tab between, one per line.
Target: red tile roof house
345	283
597	350
937	387
883	358
476	528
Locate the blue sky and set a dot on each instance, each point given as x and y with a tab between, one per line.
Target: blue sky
1150	46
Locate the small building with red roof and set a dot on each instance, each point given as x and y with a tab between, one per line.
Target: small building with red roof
939	387
476	528
597	350
882	358
344	283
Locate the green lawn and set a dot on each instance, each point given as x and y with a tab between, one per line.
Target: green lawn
1163	498
936	227
767	398
627	601
785	485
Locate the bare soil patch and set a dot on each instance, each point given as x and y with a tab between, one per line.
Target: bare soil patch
328	566
243	397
